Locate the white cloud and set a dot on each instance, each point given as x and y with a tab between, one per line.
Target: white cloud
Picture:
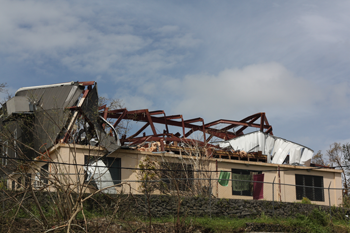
324	29
263	87
238	92
85	40
166	29
183	58
133	102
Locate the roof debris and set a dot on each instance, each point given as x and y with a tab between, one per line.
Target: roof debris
69	113
274	147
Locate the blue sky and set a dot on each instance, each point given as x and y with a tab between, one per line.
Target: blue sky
213	59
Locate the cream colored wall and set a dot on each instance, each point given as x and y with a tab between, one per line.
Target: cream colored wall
128	160
288	193
337	194
226	192
73	154
14	177
131	158
328	178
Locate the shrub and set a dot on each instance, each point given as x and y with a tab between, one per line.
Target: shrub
3	184
305	200
346	201
318	216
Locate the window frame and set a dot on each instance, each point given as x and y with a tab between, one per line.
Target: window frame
44	174
302	191
114	163
19	182
247	193
27	180
15	142
186	182
5	151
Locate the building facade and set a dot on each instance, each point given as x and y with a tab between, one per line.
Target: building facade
68	166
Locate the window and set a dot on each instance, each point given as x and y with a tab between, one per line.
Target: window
15	142
315	190
19	182
89	159
243	188
27	180
37	183
114	165
4	153
180	175
44	176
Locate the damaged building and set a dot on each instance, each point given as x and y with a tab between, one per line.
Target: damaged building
55	127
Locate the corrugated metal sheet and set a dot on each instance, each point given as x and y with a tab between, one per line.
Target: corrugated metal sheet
52	97
50	115
47	126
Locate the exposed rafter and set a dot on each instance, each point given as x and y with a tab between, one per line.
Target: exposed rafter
188	126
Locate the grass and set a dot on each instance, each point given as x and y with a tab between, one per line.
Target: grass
318	221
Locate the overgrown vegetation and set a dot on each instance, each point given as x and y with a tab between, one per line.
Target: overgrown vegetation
317	221
338	155
305	200
176	179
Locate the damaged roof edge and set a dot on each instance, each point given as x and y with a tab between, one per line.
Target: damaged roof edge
276	137
44	86
278	148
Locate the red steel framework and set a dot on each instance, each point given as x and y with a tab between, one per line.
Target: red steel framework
257	120
159	117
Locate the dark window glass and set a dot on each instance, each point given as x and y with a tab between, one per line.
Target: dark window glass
299	180
243	188
314	192
114	165
4	153
44	176
318	182
19	181
88	159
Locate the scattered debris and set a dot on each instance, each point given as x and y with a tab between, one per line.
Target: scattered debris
69	113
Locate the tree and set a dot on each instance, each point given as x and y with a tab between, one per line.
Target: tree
4	90
318	158
170	176
112	104
2	87
339	155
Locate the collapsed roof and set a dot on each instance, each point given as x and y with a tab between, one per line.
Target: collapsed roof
65	112
69	113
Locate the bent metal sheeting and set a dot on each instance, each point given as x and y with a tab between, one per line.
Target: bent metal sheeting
277	149
59	113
